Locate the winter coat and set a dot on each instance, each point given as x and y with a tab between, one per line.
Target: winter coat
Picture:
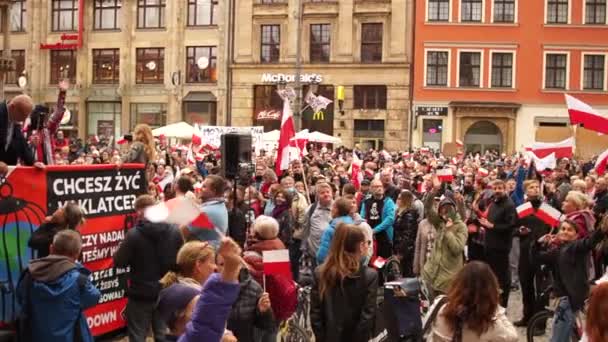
423	244
217	297
328	235
253	256
405	230
447	256
150	249
60	291
245	315
502	214
347	311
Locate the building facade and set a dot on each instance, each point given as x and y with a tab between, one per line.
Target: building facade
354	52
493	73
129	62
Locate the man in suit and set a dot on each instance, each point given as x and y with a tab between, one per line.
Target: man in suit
13	145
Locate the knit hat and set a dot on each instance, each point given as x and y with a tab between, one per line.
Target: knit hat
174	299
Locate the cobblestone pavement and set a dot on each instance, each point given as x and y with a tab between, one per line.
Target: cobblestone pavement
515	311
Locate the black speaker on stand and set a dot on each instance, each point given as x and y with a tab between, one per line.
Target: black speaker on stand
236	150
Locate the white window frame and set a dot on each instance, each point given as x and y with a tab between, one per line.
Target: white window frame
556	52
481	68
584	17
449	51
605	81
426	13
515	18
546	4
513	68
483	13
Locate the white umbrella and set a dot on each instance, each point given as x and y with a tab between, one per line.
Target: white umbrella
319	137
179	130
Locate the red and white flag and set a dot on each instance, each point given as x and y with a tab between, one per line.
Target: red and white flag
549	215
379	262
562	149
445	175
582	114
459	143
483	172
300	140
425	150
288	131
122	140
355	171
197	139
600	163
524	210
277	262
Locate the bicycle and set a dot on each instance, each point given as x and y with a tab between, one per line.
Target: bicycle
297	328
540	326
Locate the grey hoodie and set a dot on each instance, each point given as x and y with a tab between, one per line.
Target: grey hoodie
50	268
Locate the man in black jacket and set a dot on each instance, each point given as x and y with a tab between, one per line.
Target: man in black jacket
150	249
499	234
13	145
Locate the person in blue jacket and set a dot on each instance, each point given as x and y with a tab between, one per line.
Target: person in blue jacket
340	212
54	292
379	212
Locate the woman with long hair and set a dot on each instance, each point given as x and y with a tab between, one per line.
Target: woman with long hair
596	327
470	312
70	216
283	214
405	230
343	298
142	149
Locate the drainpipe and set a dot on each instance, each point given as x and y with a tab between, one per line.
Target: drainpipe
412	74
229	60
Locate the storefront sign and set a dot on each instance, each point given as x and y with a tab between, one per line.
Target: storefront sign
287	78
432	111
269	114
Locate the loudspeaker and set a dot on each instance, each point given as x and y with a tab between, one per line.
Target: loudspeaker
236	150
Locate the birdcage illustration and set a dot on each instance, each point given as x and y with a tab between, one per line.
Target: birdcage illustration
19	218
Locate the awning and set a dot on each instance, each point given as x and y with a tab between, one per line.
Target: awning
200	96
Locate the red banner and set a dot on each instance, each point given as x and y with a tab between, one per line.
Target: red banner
105	194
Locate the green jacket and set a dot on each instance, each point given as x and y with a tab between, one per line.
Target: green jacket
447	256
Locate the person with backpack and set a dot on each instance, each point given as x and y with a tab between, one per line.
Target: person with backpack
150	250
54	291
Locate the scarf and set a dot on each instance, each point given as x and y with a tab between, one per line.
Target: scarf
279	209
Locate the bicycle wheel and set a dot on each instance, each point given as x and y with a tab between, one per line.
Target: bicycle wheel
294	333
540	327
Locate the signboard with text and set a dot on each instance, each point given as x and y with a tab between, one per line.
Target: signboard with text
432	110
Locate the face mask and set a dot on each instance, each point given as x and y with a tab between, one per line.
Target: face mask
291	190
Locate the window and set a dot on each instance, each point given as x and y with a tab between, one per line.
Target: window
150	65
431	133
502	70
202	12
593	75
151	13
271	43
471	10
107	14
595	11
437	68
12	77
65	15
103	119
470	69
320	38
203	113
106	63
63	65
370	97
201	63
152	114
439	10
371	42
504	11
557	11
555	71
18	18
267	107
369	128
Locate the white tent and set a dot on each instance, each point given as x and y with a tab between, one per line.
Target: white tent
272	136
179	130
319	137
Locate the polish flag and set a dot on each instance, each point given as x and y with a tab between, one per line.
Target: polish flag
459	143
355	171
199	156
277	262
425	150
121	141
379	262
483	172
445	175
525	210
562	149
600	164
287	132
582	114
300	140
542	164
405	155
179	211
197	140
549	215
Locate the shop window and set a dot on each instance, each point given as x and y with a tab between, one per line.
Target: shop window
103	119
431	133
63	66
369	133
202	113
152	114
370	97
324	120
268	107
150	65
201	62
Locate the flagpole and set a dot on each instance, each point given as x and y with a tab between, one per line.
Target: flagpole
298	101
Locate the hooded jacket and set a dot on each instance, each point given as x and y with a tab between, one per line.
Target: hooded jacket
150	249
328	235
60	291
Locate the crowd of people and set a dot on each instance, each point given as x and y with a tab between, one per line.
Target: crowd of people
472	238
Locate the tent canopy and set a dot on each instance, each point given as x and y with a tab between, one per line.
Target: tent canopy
179	130
319	137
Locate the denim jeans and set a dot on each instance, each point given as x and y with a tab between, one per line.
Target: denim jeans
141	315
563	321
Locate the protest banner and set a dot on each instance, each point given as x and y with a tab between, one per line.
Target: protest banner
106	196
212	135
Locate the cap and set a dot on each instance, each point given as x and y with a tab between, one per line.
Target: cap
174	299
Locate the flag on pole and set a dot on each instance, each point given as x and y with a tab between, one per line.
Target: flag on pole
549	215
541	164
355	171
562	149
287	132
276	262
582	114
600	164
525	210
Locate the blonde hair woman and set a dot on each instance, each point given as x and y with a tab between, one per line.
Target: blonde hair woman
576	208
143	149
195	263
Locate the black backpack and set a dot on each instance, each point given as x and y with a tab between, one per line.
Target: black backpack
23	323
